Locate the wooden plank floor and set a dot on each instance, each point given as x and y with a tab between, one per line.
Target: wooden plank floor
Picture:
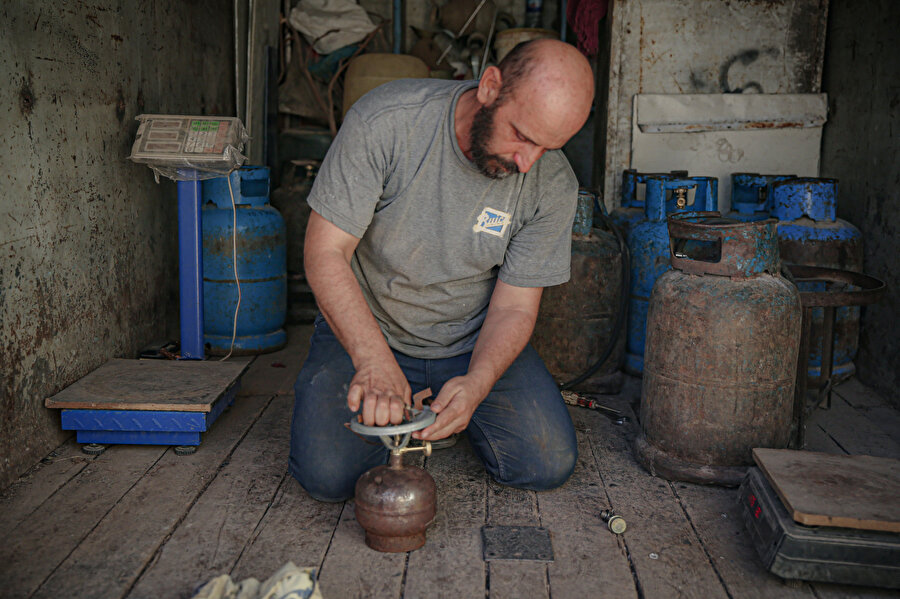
141	522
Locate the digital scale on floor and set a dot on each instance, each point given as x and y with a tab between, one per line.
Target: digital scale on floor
822	517
166	402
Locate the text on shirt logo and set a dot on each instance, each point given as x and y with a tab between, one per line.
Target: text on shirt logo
493	222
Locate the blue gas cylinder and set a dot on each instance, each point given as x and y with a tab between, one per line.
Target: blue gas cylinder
649	246
810	234
631	209
750	195
261	265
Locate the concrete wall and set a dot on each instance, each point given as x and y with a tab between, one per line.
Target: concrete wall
88	245
860	147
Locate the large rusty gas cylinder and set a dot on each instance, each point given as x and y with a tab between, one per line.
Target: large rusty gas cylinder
723	332
395	504
577	320
811	234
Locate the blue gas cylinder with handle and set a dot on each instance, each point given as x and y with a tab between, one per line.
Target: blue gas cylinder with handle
649	247
631	209
750	195
261	265
810	234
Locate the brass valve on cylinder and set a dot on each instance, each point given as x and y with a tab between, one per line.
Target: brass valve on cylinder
395	503
680	197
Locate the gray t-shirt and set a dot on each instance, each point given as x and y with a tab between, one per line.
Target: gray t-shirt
434	232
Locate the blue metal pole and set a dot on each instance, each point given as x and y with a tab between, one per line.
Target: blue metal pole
398	25
563	9
190	270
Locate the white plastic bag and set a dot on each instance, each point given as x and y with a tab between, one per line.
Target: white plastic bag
330	24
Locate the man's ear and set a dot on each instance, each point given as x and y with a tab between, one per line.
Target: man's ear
489	86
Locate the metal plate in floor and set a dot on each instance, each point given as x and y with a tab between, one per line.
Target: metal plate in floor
527	543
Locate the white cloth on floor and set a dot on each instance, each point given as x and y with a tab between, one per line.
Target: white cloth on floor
290	582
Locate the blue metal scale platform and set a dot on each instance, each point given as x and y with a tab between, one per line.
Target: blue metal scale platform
149	402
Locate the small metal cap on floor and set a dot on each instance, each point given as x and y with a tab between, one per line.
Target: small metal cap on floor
185	449
93	448
614	522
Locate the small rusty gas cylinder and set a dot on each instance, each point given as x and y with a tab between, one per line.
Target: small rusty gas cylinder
395	504
723	334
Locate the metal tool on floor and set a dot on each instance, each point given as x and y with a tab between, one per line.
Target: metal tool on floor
396	503
574	399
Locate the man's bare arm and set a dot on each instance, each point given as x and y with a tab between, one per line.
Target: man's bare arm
378	385
506	330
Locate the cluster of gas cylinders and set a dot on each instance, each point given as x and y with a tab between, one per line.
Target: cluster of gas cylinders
708	315
664	287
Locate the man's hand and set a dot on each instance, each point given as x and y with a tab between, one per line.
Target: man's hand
454	406
378	385
382	390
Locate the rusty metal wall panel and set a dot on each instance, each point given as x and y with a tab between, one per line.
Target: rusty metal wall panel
862	70
88	241
700	47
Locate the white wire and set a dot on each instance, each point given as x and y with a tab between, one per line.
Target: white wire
234	261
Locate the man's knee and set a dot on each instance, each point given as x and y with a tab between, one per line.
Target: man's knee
541	472
323	486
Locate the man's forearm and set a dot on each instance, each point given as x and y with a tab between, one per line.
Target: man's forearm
378	386
344	307
340	298
504	334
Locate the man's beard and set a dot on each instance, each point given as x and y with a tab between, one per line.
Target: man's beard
480	134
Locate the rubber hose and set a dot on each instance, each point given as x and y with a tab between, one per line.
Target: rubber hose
623	301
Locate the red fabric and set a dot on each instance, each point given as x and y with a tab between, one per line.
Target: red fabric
584	19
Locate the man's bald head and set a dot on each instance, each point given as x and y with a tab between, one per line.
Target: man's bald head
551	72
536	100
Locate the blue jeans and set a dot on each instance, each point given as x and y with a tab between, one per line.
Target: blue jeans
522	431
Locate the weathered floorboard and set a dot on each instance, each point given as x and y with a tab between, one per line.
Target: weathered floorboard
867	402
296	528
507	578
36	486
855	433
276	372
818	440
716	515
38	545
659	539
590	559
210	539
141	520
450	564
846	591
352	570
107	562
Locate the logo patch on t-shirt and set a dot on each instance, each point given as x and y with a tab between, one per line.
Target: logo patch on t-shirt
492	221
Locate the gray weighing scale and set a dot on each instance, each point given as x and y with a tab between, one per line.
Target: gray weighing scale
822	517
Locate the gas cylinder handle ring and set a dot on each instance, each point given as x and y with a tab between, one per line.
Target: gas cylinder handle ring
418	420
